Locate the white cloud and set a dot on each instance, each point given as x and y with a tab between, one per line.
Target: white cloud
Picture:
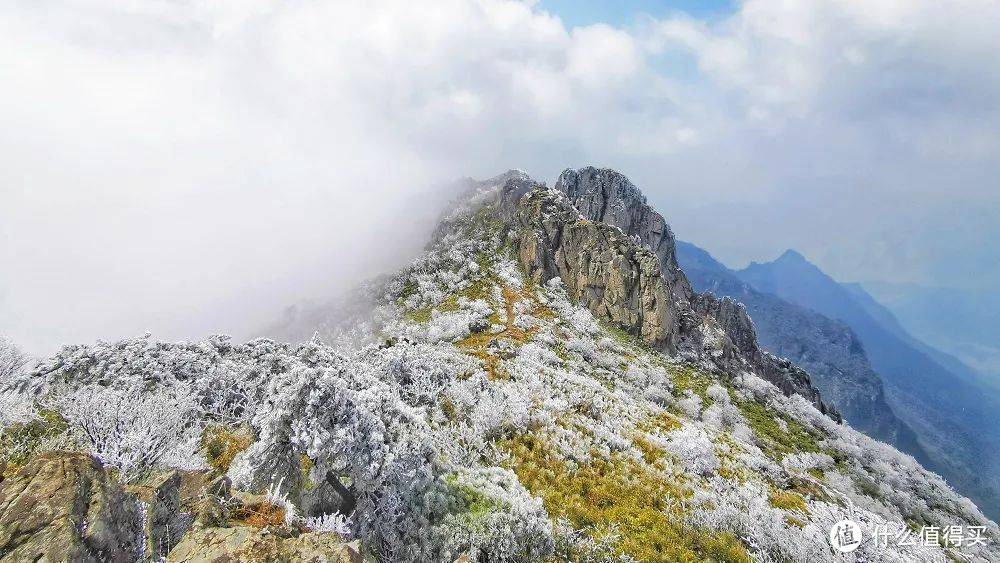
891	103
162	163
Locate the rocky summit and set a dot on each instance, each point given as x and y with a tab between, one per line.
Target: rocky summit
541	384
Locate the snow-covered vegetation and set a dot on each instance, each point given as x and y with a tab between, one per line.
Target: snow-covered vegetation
480	414
12	360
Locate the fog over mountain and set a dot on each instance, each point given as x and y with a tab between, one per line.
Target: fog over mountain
964	323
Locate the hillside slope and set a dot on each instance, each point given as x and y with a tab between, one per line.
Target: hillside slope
956	420
828	349
538	386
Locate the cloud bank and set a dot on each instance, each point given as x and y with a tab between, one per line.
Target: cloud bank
193	167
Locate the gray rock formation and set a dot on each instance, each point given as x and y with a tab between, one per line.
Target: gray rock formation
616	279
607	196
616	255
163	524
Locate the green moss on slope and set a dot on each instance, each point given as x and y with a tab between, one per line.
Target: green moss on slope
19	441
622	497
692	379
777	440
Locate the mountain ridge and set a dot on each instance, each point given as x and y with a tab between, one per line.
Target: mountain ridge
535	386
604	195
956	420
824	347
965	323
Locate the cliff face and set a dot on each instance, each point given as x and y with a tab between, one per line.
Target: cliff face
619	281
608	197
617	256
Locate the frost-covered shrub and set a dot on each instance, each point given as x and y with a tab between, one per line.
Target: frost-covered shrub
804	461
694	448
660	396
509	273
454	325
579	319
17	401
583	346
335	523
690	404
572	544
750	386
229	393
722	414
746	512
361	418
129	428
499	520
132	360
185	453
16	408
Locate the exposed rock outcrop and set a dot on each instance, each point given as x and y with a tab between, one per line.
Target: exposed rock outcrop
163	524
739	349
262	545
619	281
62	506
617	256
607	196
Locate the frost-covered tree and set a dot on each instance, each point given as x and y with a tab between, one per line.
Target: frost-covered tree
362	420
129	428
12	361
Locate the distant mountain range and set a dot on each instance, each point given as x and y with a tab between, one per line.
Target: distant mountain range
885	381
963	323
829	350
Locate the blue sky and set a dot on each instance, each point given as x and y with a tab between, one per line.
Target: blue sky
623	13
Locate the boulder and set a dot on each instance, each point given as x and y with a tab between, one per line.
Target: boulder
212	511
62	506
221	486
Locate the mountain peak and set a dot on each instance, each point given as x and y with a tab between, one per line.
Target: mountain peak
792	256
611	183
604	195
790	261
